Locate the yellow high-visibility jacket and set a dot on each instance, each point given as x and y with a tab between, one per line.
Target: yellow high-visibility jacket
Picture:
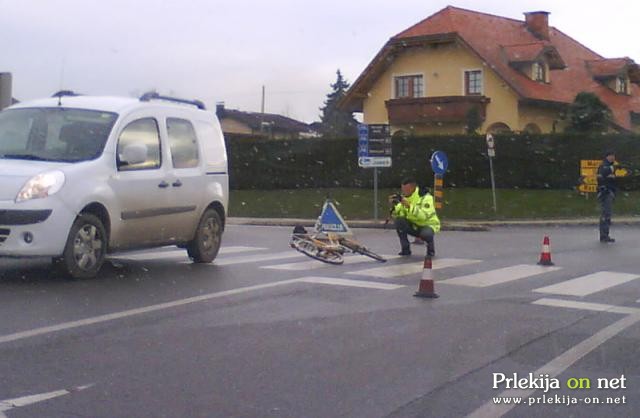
421	211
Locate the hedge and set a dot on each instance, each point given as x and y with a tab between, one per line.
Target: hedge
522	161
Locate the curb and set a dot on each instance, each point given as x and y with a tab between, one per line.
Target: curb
460	225
370	224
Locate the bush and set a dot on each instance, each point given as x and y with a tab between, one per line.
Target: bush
523	161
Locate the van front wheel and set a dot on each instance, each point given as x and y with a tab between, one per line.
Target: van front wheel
86	247
205	245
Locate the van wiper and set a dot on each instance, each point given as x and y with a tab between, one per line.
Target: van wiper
25	157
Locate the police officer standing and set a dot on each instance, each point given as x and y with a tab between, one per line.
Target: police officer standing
415	214
606	194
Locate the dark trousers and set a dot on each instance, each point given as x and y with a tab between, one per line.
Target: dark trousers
605	198
405	228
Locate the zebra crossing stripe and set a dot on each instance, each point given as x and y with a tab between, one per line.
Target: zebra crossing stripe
598	307
180	253
313	264
499	276
349	283
256	258
586	285
398	270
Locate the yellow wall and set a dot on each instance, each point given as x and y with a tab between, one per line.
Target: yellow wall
544	118
442	68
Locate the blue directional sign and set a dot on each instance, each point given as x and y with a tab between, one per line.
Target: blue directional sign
363	140
439	162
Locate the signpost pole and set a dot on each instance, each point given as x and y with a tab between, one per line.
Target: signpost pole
375	194
491	152
493	185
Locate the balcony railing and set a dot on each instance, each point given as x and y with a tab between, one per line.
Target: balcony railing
445	109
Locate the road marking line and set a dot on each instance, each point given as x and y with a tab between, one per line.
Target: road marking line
351	283
239	249
586	285
556	366
412	268
9	404
572	304
313	264
499	276
181	302
137	311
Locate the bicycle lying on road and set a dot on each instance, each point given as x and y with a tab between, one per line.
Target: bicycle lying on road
328	247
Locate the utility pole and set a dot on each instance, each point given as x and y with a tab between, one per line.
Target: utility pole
262	112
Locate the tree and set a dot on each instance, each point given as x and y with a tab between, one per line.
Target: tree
588	113
335	122
473	120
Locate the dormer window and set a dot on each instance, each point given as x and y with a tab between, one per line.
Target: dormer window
538	72
622	86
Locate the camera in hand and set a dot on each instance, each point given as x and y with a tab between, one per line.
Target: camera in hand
396	198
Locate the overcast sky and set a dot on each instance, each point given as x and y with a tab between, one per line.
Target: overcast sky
227	50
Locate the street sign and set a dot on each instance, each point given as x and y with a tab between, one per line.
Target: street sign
379	141
372	162
363	140
491	150
439	162
374	146
330	220
588	176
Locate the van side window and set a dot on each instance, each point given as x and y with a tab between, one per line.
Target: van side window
183	143
139	146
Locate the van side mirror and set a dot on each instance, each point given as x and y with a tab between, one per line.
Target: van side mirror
133	154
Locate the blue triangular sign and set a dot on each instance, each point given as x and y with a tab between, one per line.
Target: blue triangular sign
330	220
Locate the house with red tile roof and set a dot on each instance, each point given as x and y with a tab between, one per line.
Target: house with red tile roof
517	75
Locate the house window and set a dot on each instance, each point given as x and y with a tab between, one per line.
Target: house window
538	72
473	82
621	85
409	86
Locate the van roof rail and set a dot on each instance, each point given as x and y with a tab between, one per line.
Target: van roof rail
155	96
63	93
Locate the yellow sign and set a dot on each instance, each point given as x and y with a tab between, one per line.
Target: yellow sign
590	163
588	188
588	176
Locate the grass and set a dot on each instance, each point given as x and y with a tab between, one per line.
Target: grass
459	203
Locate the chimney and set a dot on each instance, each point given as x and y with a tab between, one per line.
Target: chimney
5	90
220	109
538	24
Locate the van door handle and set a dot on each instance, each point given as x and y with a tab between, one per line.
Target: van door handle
163	184
177	183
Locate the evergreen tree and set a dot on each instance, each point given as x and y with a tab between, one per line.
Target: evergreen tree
337	123
589	113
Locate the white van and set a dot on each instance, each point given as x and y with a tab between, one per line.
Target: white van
84	176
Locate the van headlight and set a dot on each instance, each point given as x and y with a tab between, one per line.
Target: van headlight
41	185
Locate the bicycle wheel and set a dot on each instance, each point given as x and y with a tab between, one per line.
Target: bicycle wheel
362	250
311	249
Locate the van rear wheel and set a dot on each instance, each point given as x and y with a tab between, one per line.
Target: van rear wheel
85	249
205	245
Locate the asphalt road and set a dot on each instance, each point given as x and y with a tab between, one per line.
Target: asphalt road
266	332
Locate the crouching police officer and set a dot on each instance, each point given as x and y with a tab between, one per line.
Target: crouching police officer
415	214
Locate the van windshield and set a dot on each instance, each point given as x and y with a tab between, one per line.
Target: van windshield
54	134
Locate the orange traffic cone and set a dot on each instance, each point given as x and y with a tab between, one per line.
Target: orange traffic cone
426	289
545	256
